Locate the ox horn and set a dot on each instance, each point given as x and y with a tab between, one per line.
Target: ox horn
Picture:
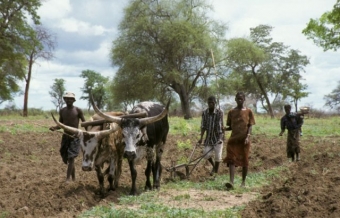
117	120
75	131
148	120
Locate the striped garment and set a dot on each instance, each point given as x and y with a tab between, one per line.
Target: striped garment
212	123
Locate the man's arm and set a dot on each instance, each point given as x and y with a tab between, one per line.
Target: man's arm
283	126
53	128
202	134
81	115
250	127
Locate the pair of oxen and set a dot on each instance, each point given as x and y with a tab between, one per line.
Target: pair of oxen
140	134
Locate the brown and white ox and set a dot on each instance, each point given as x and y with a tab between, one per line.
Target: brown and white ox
101	144
143	137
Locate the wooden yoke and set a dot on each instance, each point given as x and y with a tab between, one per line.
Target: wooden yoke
102	121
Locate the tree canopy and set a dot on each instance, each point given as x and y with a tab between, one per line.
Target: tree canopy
333	99
57	92
266	68
325	31
94	85
167	43
14	26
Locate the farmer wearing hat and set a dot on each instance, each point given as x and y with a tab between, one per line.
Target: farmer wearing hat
70	147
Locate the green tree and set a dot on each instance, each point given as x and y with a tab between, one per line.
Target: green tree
333	99
324	31
40	46
14	26
57	92
94	85
127	91
267	68
296	92
169	43
10	73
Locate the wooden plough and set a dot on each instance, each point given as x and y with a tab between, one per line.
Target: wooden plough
191	163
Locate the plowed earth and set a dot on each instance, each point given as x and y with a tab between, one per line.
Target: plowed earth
32	178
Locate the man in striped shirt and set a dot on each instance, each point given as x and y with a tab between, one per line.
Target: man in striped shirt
212	125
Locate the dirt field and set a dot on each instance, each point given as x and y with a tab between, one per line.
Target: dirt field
32	178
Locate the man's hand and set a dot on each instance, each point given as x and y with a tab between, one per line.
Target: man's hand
199	141
53	128
247	139
227	128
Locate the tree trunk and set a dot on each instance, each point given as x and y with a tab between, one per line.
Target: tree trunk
184	97
27	87
296	105
185	107
270	109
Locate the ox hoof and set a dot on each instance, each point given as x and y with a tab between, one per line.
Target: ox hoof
133	193
156	188
147	188
111	189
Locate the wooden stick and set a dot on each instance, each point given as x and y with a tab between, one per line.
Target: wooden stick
94	123
101	122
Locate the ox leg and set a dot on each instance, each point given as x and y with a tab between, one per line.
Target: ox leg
149	168
118	172
157	172
100	177
115	170
110	179
133	172
157	169
111	170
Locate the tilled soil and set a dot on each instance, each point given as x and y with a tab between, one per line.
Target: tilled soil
32	178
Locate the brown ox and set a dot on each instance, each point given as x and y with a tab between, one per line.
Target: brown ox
101	144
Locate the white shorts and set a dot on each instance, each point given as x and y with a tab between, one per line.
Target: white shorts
209	151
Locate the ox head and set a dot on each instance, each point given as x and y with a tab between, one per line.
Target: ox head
88	141
133	129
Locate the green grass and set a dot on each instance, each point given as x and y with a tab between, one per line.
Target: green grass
328	126
159	210
180	126
4	214
148	204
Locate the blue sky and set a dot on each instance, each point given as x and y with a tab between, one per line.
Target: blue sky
86	28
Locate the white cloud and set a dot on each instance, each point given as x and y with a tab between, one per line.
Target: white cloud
54	9
81	27
89	59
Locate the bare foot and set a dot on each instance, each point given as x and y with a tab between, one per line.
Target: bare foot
68	181
229	185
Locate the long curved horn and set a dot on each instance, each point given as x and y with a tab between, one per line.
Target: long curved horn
75	131
67	128
148	120
117	120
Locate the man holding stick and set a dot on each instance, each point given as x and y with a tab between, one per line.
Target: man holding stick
70	146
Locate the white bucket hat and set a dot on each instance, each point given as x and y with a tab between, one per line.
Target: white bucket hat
69	95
